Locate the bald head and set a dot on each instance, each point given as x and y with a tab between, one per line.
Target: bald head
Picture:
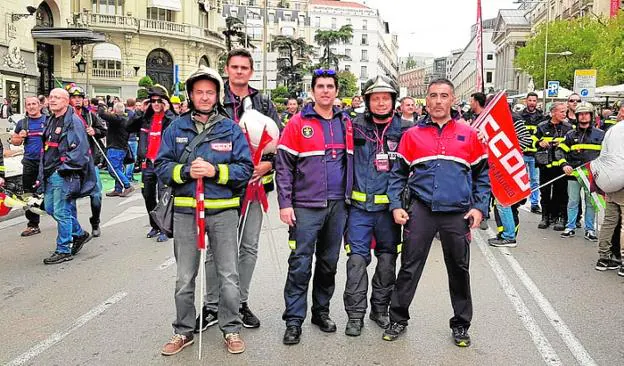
58	101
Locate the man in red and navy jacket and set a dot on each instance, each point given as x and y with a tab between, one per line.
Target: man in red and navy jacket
314	175
444	166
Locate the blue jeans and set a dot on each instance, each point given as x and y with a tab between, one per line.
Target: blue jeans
63	210
116	158
574	200
534	177
507	220
96	200
134	145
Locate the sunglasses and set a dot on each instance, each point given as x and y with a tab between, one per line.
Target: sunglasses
322	72
156	101
574	101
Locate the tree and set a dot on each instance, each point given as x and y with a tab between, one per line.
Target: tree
234	29
410	63
347	84
578	36
293	61
146	81
608	57
328	38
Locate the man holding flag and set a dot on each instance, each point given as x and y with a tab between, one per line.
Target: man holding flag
218	155
580	146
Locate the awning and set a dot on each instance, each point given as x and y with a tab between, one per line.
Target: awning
174	5
83	35
106	51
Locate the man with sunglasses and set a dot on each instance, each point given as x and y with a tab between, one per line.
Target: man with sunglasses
573	101
532	117
95	130
149	124
314	174
239	97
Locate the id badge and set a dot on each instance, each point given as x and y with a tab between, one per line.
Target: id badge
382	162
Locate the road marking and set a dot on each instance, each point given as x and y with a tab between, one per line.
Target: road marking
542	344
166	264
574	345
57	337
134	197
12	222
130	214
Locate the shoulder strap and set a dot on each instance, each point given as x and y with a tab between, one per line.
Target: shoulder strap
197	139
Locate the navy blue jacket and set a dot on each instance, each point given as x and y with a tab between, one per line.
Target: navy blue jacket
370	185
225	147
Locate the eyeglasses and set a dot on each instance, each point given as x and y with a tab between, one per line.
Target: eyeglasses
574	101
156	101
322	72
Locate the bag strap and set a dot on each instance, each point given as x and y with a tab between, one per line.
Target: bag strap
197	139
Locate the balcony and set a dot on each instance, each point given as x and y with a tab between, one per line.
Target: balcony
106	73
127	24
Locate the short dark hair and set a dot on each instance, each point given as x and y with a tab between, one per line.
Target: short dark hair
440	81
358	97
42	98
240	52
315	77
94	101
291	98
480	98
531	94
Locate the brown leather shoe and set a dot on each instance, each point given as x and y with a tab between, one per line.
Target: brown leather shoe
234	343
177	343
29	231
127	191
113	194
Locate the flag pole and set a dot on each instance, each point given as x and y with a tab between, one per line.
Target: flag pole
201	245
549	182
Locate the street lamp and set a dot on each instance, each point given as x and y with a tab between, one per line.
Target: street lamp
81	64
31	10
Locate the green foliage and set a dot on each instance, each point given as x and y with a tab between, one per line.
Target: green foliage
410	63
347	84
328	38
595	43
141	93
280	92
608	56
146	82
279	100
293	61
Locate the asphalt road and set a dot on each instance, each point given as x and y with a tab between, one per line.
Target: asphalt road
540	303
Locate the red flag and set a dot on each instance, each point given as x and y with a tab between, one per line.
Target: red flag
508	174
200	214
615	7
479	81
255	191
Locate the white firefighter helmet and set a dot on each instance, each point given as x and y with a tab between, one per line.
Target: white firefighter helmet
254	123
205	73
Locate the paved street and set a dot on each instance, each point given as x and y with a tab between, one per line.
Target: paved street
113	304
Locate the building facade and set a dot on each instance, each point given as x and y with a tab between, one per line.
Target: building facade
464	70
106	46
512	29
412	82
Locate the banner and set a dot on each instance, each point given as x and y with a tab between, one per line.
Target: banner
479	82
615	7
508	174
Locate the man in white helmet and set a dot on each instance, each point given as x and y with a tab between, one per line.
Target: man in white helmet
376	136
217	151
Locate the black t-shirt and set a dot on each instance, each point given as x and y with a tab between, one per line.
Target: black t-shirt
51	155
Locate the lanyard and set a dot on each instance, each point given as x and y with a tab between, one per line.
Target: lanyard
237	104
380	139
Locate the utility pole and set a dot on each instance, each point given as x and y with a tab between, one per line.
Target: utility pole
265	45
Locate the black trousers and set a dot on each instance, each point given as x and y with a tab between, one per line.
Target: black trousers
29	179
554	197
151	191
417	237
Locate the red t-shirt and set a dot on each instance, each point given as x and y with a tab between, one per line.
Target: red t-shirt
155	132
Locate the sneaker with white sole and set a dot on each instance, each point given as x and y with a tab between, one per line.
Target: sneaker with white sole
176	344
591	235
568	233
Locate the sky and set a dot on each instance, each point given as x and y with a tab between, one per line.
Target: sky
434	26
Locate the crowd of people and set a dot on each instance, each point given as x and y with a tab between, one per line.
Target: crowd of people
383	173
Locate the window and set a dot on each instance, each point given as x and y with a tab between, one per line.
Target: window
490	56
111	7
365	24
347	67
364	72
364	55
333	23
160	14
364	39
203	19
488	77
287	17
317	22
348	53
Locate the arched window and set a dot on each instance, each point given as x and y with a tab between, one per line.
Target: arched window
159	66
44	16
203	61
106	61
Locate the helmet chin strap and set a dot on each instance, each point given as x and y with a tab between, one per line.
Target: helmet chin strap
383	116
205	113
